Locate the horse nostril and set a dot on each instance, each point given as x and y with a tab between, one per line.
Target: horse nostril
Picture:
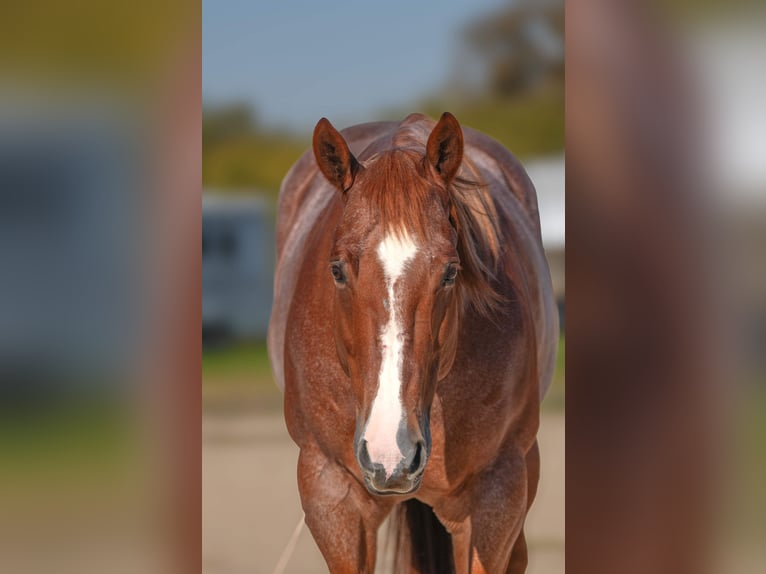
417	460
364	456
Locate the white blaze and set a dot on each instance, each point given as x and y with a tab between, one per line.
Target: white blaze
394	252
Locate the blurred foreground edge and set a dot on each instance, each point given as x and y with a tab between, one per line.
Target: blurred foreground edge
650	380
100	288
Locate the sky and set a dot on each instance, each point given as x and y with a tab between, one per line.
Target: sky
295	61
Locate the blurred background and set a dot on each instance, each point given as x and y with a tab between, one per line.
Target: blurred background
100	129
666	212
270	71
101	161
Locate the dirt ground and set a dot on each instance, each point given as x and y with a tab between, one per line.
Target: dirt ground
250	504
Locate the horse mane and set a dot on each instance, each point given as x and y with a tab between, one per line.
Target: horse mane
400	183
479	239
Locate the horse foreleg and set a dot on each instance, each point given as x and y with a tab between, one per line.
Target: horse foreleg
519	556
341	515
487	520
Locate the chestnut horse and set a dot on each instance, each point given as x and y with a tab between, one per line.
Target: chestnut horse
413	334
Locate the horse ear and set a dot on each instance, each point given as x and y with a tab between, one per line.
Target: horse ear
333	157
445	147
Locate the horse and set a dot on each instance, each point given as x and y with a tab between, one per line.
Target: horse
413	334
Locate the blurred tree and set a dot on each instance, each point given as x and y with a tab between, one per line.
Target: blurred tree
239	155
521	46
227	122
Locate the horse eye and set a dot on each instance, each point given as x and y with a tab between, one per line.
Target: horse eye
336	268
449	275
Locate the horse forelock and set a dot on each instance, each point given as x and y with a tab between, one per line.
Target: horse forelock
399	188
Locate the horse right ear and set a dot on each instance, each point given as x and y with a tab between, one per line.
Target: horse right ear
333	157
444	149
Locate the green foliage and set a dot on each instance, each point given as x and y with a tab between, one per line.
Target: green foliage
246	360
528	125
227	122
255	160
238	377
89	439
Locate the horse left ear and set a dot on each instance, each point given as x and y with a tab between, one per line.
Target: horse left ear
445	147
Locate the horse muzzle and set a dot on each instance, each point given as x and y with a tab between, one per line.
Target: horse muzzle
393	474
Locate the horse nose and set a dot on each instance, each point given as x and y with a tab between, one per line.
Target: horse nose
415	460
393	475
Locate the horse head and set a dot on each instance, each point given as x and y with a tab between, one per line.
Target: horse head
395	266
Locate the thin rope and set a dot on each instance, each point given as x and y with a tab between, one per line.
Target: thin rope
287	553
